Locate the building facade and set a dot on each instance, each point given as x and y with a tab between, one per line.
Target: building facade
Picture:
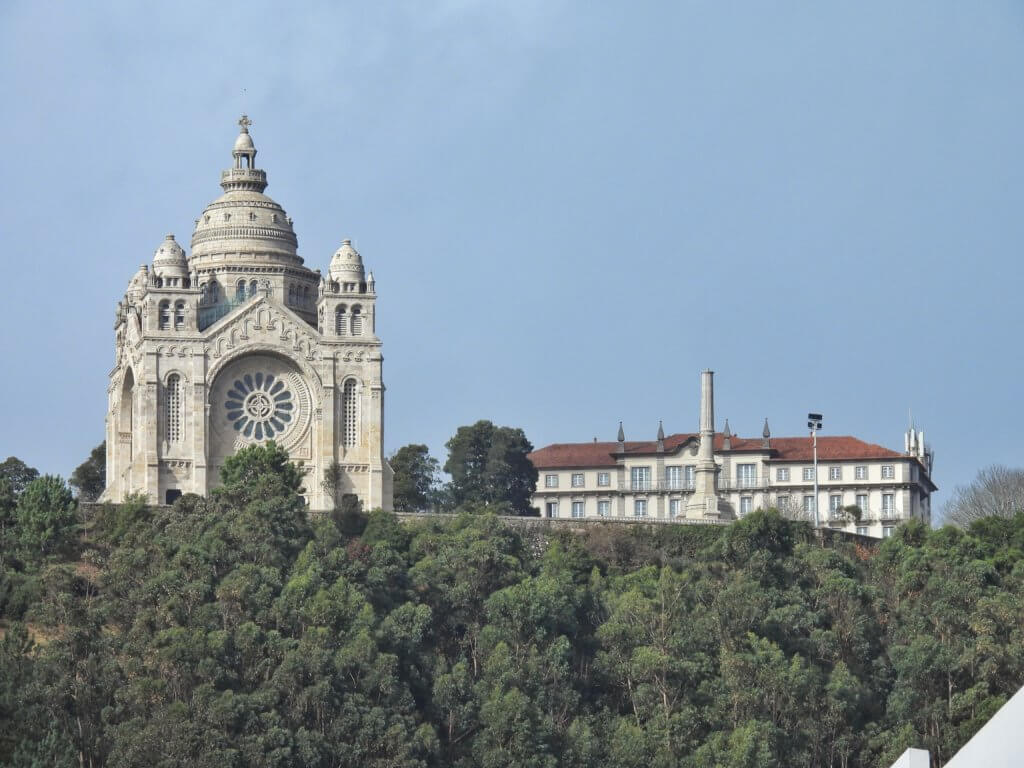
238	343
717	476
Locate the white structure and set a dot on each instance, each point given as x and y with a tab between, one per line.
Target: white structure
239	343
713	476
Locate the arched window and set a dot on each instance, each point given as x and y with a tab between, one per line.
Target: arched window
349	414
158	282
357	321
240	290
179	316
340	321
164	322
252	288
213	293
172	408
202	293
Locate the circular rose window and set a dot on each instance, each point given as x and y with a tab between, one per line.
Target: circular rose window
259	405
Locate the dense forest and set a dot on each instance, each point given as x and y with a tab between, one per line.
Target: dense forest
236	631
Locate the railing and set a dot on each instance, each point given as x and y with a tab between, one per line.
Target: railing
740	483
646	486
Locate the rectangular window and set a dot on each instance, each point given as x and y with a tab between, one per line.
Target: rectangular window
888	472
577	509
835	473
862	530
782	503
888	507
577	479
809	474
674	477
746	504
641	478
552	509
604	508
640	508
835	506
690	476
675	507
887	531
604	479
808	503
550	481
782	475
862	502
860	473
746	475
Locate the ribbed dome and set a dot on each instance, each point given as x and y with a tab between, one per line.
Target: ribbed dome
347	265
244	226
169	259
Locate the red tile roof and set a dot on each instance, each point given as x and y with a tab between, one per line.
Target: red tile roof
830	448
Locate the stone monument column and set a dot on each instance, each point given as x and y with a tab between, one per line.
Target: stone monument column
704	501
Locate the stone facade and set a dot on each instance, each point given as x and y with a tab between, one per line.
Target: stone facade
240	343
718	476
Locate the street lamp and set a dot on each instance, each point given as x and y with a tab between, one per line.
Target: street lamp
814	424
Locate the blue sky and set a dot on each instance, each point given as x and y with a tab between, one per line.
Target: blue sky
570	208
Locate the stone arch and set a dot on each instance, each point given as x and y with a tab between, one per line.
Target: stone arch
262	393
126	411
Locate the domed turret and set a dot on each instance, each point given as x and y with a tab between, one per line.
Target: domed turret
243	225
139	283
347	265
169	262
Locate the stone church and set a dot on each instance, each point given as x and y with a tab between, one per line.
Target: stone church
240	343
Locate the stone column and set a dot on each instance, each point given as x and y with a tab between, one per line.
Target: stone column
704	501
198	422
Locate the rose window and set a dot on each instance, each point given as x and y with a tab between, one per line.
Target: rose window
259	405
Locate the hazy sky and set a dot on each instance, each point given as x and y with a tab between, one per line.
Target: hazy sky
570	208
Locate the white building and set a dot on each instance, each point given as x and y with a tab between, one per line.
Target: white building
715	476
240	343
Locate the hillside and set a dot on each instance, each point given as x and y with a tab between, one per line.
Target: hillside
234	631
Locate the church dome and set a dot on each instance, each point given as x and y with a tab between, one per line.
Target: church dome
347	265
169	259
139	283
244	226
244	142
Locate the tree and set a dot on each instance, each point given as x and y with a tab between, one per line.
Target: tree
90	477
997	491
17	473
415	478
45	516
488	465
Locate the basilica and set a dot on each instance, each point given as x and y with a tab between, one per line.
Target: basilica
238	342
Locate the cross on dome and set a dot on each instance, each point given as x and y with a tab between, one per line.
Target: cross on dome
245	122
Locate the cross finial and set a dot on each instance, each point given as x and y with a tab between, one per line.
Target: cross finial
245	122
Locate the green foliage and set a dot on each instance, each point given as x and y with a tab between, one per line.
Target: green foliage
415	478
488	465
233	631
18	474
45	516
90	477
